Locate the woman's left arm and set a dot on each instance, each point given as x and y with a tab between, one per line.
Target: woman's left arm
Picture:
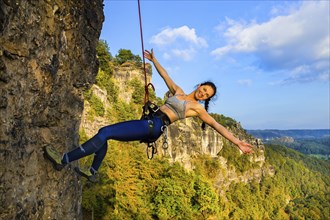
243	146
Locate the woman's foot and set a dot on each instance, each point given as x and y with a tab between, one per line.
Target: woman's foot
54	157
87	174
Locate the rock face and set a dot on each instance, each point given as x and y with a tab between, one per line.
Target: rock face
47	58
187	139
126	72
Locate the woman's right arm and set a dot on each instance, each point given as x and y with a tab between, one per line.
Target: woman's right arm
162	72
243	146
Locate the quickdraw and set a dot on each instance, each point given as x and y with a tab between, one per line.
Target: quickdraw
165	143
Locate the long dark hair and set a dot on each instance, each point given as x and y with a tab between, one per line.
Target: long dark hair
207	101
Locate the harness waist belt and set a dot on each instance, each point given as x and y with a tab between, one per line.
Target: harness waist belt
163	117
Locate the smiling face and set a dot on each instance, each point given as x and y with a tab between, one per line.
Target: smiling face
204	92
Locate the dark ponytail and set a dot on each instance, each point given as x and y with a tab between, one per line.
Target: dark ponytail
207	101
206	106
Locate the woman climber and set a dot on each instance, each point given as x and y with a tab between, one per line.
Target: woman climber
177	107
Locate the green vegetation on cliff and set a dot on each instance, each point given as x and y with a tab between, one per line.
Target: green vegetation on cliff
126	55
104	56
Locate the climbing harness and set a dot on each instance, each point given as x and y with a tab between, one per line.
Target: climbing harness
150	111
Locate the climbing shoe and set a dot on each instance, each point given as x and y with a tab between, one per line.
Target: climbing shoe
55	157
87	174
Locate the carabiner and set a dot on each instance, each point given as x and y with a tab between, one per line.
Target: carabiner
151	150
165	145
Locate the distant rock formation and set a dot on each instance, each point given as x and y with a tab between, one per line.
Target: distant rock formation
285	139
47	57
127	71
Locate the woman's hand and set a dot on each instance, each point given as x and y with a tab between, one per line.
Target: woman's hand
149	55
245	147
162	72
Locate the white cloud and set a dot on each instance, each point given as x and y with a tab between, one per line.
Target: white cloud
166	56
298	42
183	39
245	82
170	35
186	54
325	76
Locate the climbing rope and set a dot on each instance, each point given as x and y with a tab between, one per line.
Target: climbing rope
146	84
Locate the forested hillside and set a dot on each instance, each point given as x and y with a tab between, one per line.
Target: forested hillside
316	147
133	187
294	133
130	186
311	142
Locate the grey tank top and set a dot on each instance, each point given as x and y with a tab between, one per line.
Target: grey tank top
177	106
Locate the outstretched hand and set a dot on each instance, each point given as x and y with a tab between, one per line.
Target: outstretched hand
149	55
245	147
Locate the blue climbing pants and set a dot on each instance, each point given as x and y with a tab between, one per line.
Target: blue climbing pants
135	130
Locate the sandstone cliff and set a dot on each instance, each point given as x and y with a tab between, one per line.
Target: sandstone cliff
47	57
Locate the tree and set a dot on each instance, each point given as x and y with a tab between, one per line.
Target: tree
170	200
138	88
126	55
205	200
104	56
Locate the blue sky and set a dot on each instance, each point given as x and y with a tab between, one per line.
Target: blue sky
269	59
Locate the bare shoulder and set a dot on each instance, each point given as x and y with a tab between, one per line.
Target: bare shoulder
195	109
179	91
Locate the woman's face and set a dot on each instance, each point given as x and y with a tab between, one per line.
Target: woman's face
204	92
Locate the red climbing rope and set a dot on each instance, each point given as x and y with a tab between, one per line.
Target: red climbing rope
146	84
